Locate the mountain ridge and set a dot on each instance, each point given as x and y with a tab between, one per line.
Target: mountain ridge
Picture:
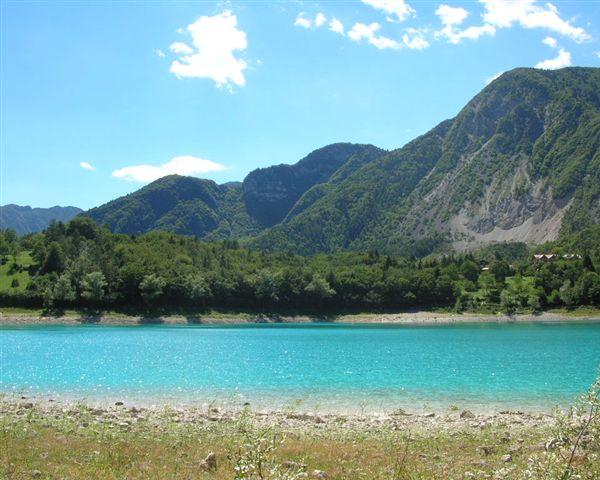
25	219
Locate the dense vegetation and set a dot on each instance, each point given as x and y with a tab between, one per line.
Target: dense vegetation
30	220
82	265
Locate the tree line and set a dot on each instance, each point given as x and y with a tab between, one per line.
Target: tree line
82	265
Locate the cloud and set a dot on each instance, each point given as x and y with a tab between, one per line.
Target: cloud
215	41
399	8
451	17
528	14
87	166
562	59
159	53
551	42
362	31
184	165
181	48
303	22
336	26
414	39
598	53
320	20
492	78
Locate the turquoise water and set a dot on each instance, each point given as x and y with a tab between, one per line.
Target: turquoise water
318	366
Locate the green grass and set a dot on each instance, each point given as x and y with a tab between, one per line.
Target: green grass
8	272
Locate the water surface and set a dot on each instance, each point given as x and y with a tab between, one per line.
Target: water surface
316	366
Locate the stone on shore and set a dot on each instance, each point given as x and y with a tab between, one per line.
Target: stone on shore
209	463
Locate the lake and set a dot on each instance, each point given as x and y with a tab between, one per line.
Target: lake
312	366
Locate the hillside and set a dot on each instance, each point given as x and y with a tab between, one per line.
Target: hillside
24	219
520	162
194	206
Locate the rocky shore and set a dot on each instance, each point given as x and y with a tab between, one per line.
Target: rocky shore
416	318
125	415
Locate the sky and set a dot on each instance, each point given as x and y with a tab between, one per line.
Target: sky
99	98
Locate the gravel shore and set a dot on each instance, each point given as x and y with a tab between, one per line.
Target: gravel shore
405	318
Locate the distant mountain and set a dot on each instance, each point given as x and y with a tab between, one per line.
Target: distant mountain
521	161
200	207
25	219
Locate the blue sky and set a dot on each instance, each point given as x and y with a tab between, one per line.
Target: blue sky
99	98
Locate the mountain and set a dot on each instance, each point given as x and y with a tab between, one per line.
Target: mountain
520	162
270	193
194	206
25	219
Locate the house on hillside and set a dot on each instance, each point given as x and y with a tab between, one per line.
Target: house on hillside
548	257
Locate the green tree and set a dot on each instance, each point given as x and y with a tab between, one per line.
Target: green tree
266	286
568	294
59	292
470	270
319	288
92	286
55	259
509	302
151	288
533	302
500	269
197	288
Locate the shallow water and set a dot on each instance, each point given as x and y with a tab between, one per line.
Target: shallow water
315	366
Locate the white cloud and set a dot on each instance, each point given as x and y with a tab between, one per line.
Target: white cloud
215	41
492	78
336	26
184	165
529	14
598	53
451	15
362	31
87	166
181	48
303	22
399	8
471	33
414	39
551	42
159	53
320	20
562	59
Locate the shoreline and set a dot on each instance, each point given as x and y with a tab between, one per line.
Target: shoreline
292	419
416	318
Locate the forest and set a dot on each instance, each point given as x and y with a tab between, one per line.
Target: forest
82	265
